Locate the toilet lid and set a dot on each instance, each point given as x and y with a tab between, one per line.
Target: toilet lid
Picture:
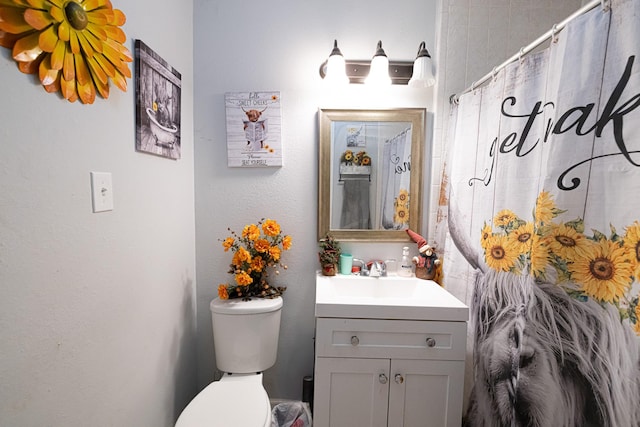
235	403
240	307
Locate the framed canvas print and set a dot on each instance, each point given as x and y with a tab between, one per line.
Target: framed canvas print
253	129
158	88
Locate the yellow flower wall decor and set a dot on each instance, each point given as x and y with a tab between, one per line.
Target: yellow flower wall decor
75	46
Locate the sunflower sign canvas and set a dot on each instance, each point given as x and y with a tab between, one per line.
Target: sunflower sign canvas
253	129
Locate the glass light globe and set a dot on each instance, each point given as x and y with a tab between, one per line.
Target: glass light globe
379	71
336	74
422	75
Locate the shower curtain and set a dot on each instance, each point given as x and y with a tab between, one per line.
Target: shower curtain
396	171
543	173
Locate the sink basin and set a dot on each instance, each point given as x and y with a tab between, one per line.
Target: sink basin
371	287
390	297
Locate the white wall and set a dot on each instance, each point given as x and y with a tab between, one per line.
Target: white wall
97	311
256	45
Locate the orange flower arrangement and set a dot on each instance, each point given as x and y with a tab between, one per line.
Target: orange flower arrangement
75	46
256	250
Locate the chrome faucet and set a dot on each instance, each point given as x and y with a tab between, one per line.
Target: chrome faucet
364	271
377	269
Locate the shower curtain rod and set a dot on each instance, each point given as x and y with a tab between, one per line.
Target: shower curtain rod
537	42
396	136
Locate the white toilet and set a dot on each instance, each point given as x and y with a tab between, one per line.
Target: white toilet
245	339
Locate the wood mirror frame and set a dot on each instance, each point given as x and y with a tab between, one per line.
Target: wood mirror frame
329	162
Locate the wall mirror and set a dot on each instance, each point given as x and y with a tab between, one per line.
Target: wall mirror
370	173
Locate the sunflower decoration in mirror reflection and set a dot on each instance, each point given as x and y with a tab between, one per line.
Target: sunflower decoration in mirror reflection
75	46
360	158
401	204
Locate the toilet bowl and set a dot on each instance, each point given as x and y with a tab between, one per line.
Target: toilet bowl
237	400
245	338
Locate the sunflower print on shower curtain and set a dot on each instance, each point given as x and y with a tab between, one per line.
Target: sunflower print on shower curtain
586	265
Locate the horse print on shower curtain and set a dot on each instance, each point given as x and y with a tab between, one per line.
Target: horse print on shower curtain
543	178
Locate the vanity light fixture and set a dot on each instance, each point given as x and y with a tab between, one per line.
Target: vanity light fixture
359	71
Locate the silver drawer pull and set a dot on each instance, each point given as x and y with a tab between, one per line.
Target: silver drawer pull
399	379
383	379
431	342
355	340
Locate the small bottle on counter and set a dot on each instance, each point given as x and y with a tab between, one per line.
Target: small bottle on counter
405	269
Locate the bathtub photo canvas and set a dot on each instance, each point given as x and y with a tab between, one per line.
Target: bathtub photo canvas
157	104
253	129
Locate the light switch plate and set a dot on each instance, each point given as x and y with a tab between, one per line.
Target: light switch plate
101	191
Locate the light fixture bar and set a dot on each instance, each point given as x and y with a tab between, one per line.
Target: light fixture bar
358	70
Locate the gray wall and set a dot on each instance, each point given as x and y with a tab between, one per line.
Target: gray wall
279	46
97	311
97	315
256	45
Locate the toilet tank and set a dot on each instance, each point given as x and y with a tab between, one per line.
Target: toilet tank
245	333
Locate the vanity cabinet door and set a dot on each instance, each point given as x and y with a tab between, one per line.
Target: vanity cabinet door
351	392
425	393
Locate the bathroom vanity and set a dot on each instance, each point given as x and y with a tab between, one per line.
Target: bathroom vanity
390	351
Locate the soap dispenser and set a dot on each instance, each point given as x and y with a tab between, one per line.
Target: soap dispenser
405	269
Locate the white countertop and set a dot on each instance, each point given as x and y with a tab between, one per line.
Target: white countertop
393	297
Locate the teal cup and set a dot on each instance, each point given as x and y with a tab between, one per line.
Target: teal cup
346	262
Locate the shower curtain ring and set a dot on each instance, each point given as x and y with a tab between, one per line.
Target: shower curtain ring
494	73
521	54
605	5
554	33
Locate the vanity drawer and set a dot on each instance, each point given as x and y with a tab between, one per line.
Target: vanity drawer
377	338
